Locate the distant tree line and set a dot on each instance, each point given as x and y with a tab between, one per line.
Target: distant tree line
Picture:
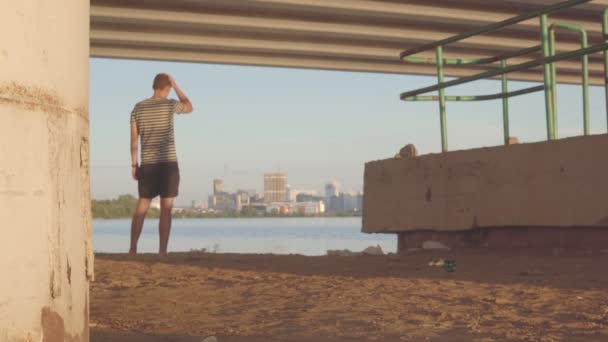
121	207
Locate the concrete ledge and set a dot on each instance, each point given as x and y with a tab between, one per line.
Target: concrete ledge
563	183
548	238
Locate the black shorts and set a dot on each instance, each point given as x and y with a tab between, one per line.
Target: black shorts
158	179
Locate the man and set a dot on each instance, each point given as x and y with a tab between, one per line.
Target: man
158	173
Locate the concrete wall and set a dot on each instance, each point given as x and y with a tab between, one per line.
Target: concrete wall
563	183
45	247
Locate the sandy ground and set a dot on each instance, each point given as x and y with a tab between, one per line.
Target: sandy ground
515	296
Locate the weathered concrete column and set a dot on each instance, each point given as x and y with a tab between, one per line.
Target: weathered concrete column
45	225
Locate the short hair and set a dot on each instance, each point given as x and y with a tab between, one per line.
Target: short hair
161	81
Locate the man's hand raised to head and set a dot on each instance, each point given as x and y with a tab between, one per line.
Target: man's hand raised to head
172	80
180	94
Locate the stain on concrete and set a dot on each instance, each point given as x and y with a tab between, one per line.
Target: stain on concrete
53	288
82	112
53	327
34	98
86	207
60	147
88	262
69	272
84	153
429	194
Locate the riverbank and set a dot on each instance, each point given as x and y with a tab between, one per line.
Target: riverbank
238	297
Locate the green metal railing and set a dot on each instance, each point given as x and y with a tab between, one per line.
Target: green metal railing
605	38
584	69
548	62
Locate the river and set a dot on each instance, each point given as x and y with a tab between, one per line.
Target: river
306	236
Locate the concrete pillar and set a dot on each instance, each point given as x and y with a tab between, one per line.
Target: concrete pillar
45	226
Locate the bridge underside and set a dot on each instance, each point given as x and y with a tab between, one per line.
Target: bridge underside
354	35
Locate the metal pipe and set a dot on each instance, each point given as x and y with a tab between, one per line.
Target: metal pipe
547	77
442	109
553	67
477	61
605	32
493	27
505	103
584	67
478	97
513	68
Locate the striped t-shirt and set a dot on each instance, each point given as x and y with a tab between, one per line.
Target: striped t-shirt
154	119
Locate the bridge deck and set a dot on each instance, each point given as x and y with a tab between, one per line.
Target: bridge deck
354	35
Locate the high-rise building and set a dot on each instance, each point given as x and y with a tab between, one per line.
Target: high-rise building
288	194
360	201
218	186
275	187
347	202
331	190
294	193
308	197
221	200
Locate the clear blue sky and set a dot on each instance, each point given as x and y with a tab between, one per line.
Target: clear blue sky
314	125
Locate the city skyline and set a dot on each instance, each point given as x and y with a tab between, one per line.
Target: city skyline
290	194
213	189
278	197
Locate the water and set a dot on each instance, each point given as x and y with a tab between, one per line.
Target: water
307	236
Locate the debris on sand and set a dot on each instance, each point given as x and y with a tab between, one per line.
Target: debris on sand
210	339
408	151
341	252
372	250
434	245
513	141
447	264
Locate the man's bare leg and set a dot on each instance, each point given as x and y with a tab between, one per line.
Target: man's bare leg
138	222
164	225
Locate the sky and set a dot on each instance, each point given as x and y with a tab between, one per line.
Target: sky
316	126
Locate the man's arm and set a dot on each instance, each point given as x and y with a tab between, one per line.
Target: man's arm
134	146
182	97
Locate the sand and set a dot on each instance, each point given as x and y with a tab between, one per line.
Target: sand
499	296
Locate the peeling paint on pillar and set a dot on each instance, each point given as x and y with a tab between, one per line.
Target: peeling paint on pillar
47	252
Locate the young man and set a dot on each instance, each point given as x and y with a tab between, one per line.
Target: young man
158	173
